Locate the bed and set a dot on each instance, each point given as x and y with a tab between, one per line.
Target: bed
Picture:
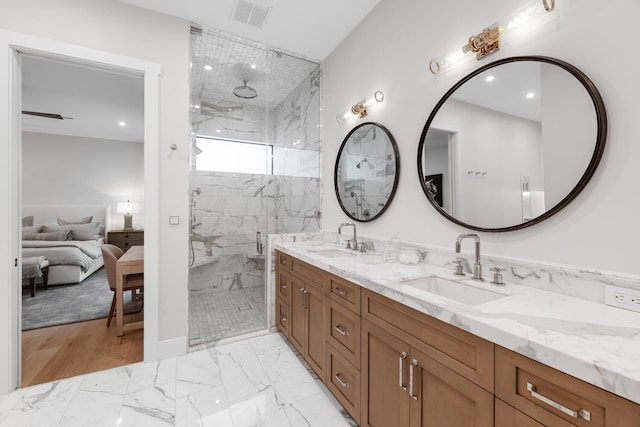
69	236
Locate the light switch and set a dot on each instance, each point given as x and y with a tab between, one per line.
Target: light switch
174	220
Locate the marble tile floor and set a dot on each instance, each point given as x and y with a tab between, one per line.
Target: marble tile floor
254	382
215	315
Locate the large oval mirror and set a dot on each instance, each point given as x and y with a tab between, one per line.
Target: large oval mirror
366	172
512	143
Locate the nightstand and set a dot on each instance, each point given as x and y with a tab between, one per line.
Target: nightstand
125	239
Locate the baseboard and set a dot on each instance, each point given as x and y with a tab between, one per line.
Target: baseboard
172	348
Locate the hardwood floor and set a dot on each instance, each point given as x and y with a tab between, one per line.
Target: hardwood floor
65	351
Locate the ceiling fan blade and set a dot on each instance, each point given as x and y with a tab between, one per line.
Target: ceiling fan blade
47	115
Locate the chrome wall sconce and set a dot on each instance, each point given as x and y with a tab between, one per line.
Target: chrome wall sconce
490	39
361	108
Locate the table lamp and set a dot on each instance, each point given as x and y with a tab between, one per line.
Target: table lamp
127	208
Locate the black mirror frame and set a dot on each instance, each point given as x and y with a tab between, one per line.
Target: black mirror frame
396	154
601	137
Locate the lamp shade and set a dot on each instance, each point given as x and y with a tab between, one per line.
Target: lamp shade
126	207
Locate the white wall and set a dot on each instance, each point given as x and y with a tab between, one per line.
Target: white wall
489	168
66	170
121	29
390	51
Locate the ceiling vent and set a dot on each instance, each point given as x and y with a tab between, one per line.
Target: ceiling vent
251	13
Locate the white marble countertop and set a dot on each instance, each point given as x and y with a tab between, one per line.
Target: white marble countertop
596	343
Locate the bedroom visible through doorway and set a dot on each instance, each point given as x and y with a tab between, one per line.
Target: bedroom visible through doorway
82	154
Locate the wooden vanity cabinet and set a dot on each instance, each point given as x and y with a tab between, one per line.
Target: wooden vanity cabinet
554	398
402	386
307	309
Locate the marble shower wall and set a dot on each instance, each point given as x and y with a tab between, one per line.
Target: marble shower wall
232	207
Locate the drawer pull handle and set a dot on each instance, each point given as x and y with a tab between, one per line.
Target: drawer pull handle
283	286
342	331
401	369
413	364
303	304
582	413
342	293
342	383
283	319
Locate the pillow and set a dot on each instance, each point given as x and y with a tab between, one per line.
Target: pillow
27	221
65	221
32	229
52	235
78	231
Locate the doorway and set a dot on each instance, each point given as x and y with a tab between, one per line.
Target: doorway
15	45
82	155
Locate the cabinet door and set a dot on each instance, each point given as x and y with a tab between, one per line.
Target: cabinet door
441	397
298	313
384	375
315	338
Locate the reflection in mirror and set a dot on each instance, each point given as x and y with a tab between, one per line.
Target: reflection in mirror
512	143
366	172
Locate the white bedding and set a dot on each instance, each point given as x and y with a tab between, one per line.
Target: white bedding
81	253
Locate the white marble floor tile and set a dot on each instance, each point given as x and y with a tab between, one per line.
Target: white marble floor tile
242	372
261	409
206	408
197	371
256	382
43	405
151	407
315	411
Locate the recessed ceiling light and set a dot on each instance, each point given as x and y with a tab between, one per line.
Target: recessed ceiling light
489	79
530	95
218	131
208	67
122	124
254	66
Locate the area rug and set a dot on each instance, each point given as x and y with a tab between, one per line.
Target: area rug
61	304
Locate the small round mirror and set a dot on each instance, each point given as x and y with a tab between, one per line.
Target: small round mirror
512	143
366	172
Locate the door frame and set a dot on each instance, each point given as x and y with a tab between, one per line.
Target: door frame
12	44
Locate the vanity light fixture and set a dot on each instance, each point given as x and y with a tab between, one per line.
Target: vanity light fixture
361	108
491	38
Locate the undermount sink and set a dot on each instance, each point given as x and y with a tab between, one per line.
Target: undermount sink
460	292
331	253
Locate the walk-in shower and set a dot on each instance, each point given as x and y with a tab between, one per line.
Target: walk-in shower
255	168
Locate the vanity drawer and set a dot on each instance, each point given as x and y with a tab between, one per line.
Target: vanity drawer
460	351
344	292
308	273
556	399
282	317
344	332
508	416
283	261
283	286
343	379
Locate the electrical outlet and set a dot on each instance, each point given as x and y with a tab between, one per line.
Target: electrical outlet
622	297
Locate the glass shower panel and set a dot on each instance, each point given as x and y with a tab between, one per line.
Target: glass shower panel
255	165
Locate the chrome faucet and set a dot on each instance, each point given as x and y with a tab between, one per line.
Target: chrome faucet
355	235
477	267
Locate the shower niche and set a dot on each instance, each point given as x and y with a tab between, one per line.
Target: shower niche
254	170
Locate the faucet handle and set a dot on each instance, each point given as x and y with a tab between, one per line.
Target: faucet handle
497	276
459	268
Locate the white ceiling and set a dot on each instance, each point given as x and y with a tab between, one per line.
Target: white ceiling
507	91
309	29
95	99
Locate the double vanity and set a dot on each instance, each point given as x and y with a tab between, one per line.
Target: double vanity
415	344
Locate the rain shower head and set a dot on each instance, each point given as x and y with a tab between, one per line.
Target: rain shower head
244	91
